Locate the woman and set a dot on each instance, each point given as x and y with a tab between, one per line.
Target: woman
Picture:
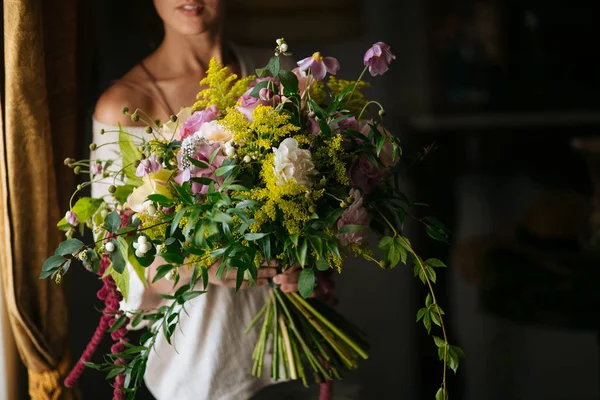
214	357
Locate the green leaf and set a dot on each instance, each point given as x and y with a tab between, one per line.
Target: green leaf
289	80
91	365
453	359
440	394
53	262
214	155
438	341
301	252
460	352
385	242
177	220
428	300
118	323
46	274
239	188
121	280
421	313
123	192
258	87
222	217
130	154
322	265
394	253
139	269
203	180
139	317
427	323
71	246
190	295
266	247
254	236
261	72
351	228
239	278
85	208
246	204
184	192
112	222
197	163
435	318
434	262
274	65
379	144
294	238
431	273
117	258
224	170
306	282
437	234
160	199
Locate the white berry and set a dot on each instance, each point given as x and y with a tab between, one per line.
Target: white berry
142	239
283	47
110	247
139	254
247	159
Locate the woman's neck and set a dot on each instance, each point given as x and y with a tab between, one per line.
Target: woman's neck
185	54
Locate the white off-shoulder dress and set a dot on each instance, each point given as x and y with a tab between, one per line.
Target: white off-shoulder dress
212	357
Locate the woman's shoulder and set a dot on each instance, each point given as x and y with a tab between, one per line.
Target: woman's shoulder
128	92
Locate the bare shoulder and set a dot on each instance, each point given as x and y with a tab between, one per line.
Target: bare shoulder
130	91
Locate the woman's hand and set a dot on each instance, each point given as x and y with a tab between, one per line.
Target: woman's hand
265	272
288	282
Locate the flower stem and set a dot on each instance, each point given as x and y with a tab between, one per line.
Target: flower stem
437	308
332	327
335	346
288	349
356	84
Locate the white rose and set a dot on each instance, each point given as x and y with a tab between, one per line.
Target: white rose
214	132
170	128
293	162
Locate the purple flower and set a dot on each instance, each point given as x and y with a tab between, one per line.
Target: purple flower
364	175
148	166
96	168
356	214
378	58
203	154
195	121
319	66
71	218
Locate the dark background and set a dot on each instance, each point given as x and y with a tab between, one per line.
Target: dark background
499	90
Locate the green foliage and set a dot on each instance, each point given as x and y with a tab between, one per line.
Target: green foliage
129	154
306	282
85	207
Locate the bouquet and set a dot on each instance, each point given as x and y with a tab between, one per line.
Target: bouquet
284	166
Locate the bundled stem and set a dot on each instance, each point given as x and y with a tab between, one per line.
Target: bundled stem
301	335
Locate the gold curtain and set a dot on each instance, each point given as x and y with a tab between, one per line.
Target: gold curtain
41	113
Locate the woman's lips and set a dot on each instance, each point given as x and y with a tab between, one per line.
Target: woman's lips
191	9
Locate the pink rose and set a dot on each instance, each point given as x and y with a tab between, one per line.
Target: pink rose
197	119
188	170
249	103
364	175
386	155
356	214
